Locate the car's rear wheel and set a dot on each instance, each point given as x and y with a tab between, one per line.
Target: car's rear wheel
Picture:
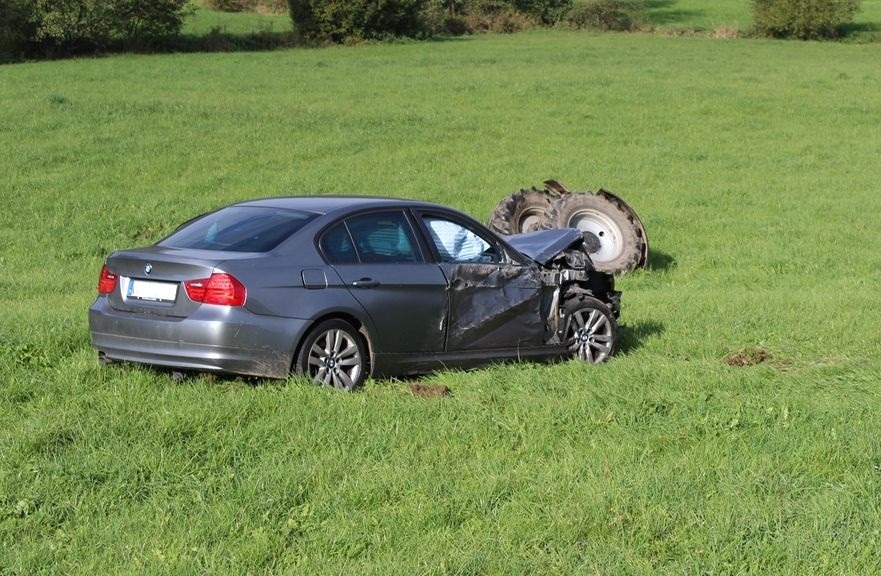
590	329
334	354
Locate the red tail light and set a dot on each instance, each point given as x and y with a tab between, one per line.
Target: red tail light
107	281
222	289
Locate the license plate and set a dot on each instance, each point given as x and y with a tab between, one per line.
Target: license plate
152	291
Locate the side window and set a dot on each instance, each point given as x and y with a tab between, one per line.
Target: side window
456	243
337	246
383	237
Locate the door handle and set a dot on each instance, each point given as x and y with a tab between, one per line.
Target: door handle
365	283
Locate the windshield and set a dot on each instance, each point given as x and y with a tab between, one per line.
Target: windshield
239	229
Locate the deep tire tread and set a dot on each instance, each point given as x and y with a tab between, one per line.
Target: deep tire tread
507	215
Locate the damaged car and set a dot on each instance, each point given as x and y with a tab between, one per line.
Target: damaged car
340	288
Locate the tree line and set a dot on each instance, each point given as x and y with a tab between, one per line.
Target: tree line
40	28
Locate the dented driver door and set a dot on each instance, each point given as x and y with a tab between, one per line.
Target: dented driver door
493	306
493	302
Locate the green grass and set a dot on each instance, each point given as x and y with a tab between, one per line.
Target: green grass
754	166
698	14
204	20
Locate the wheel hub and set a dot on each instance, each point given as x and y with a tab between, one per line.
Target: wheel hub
602	236
531	221
590	335
334	359
591	242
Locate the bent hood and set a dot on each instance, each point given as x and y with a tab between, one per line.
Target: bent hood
544	245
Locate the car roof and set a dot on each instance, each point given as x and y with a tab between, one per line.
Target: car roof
328	204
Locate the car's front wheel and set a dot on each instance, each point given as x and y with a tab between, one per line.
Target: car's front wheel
590	329
334	354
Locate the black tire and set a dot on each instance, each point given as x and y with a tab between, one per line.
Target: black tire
334	354
613	240
589	329
522	211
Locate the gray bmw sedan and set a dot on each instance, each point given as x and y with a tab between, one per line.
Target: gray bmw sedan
338	288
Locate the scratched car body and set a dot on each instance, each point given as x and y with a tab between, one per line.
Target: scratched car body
339	288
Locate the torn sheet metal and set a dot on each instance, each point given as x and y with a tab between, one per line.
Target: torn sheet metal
544	245
493	306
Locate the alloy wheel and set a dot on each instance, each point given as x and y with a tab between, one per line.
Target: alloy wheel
335	359
590	335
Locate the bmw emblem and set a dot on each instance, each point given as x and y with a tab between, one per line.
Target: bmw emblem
148	268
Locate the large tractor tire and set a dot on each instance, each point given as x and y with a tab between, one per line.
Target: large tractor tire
522	211
613	235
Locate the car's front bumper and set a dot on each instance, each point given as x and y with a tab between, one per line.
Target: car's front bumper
214	338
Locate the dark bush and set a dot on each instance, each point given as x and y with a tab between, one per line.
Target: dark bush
607	15
71	26
341	21
440	22
505	21
544	11
464	16
804	19
347	20
455	26
17	28
541	11
271	6
444	17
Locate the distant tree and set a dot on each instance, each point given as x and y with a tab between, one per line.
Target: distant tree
16	27
450	6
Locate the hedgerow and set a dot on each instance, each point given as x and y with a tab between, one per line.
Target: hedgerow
803	19
339	21
607	15
71	26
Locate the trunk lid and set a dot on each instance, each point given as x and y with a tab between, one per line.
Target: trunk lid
151	280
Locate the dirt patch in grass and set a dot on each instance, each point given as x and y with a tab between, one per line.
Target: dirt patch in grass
429	390
747	357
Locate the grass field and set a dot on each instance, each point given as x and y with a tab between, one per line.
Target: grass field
754	166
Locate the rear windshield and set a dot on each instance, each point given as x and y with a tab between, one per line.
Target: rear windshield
239	229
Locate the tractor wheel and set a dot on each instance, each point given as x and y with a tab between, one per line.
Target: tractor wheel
523	211
613	240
